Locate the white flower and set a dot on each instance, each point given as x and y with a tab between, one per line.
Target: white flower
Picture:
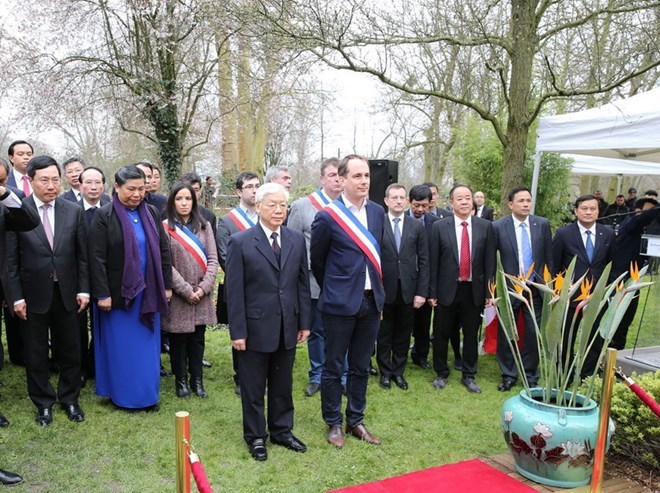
574	449
508	416
543	430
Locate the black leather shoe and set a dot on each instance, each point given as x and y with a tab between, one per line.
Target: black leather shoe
471	385
258	449
197	386
164	372
400	382
385	382
206	363
292	443
440	383
181	387
506	384
44	416
74	413
312	389
422	363
4	422
372	371
237	390
8	478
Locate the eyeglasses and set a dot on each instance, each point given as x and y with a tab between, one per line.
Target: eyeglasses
250	187
45	181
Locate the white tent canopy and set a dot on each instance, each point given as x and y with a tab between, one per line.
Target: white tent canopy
626	130
593	165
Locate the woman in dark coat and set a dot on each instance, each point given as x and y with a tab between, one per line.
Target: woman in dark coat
131	284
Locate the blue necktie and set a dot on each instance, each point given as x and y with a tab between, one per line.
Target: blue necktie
397	233
590	246
528	258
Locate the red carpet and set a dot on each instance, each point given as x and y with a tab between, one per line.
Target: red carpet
472	476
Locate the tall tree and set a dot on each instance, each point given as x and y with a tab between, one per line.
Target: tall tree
510	52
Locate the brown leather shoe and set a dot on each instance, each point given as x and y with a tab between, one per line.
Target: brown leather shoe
335	436
360	431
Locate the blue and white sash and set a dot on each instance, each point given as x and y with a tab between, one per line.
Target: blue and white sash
356	232
240	219
189	241
318	199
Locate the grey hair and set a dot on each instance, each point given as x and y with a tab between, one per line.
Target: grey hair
273	173
270	189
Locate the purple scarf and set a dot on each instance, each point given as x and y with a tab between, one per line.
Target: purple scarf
132	282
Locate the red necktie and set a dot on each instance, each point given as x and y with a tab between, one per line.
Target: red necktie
26	186
464	266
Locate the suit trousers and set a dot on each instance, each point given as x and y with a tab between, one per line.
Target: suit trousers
462	313
394	337
315	344
187	352
529	351
65	344
619	340
422	336
591	360
357	335
258	369
15	346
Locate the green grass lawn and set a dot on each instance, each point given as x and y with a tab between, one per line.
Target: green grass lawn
116	451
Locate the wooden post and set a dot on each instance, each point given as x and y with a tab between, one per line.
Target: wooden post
603	422
182	463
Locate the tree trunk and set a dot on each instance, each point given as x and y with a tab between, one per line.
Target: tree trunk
524	43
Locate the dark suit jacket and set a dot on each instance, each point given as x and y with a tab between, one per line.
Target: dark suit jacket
444	260
540	237
70	195
629	240
10	179
567	244
487	213
226	228
263	296
31	261
339	265
157	200
410	265
13	219
106	254
89	213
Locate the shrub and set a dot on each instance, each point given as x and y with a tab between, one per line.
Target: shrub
637	429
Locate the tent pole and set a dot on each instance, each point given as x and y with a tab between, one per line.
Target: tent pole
535	178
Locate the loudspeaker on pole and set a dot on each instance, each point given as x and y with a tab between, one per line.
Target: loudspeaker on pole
383	173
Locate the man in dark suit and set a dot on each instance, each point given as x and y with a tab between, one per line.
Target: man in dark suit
241	218
14	338
14	216
462	263
49	282
72	168
20	152
524	242
593	245
152	198
420	198
627	247
269	307
405	261
345	260
483	210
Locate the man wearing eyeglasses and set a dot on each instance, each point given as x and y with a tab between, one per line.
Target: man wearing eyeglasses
241	218
49	283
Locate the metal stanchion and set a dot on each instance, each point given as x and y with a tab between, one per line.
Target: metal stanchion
603	422
182	463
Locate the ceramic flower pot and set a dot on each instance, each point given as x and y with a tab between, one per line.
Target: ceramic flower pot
551	445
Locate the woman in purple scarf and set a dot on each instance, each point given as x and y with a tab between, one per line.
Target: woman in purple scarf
131	284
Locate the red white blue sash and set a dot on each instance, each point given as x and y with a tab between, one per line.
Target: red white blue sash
189	241
318	199
356	232
240	219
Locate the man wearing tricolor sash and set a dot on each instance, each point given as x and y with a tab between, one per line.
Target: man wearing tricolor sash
345	260
241	218
301	217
